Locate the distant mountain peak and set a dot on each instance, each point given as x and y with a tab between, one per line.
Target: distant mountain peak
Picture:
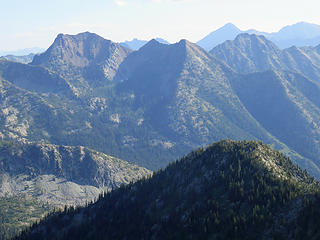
227	32
183	42
135	44
299	34
153	43
83	59
229	26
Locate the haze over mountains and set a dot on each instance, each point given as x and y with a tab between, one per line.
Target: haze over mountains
148	107
136	44
22	52
299	34
165	99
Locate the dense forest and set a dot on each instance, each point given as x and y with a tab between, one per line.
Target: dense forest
229	190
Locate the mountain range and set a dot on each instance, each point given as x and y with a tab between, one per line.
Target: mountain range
21	59
229	190
22	52
136	44
149	107
300	34
160	101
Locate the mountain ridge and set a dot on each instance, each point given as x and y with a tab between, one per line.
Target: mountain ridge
85	59
299	34
223	190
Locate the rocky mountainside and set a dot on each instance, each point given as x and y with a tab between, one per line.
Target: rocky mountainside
286	104
164	101
249	53
85	59
55	176
229	190
186	95
252	53
281	92
34	78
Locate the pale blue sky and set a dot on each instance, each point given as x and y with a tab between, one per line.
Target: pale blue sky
35	23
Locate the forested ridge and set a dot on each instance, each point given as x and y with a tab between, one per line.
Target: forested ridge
229	190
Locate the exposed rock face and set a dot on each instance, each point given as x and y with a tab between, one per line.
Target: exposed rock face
252	53
36	178
61	174
85	59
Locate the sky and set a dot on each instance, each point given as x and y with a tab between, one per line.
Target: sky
35	23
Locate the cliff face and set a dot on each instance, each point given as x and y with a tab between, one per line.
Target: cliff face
61	174
85	60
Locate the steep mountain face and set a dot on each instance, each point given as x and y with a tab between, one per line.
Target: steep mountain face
34	78
251	53
34	178
284	99
85	59
305	61
167	100
102	123
77	164
29	115
170	83
230	190
287	105
186	96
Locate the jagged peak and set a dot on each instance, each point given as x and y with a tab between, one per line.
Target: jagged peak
258	39
153	43
80	36
187	44
251	36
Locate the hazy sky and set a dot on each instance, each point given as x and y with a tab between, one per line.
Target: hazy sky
35	23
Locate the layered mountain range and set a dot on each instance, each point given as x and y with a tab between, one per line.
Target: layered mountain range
149	107
299	34
161	101
136	44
